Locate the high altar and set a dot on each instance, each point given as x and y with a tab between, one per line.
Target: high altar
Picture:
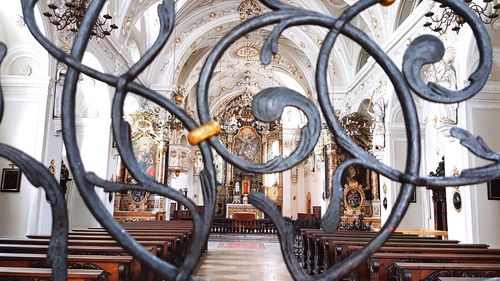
253	141
243	211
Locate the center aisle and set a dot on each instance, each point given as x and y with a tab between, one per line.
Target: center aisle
243	258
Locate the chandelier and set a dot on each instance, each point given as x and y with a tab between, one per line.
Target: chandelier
173	124
440	23
70	17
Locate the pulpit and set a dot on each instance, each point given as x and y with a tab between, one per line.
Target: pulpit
243	211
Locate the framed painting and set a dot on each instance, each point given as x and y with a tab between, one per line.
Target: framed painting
146	153
245	185
494	189
11	180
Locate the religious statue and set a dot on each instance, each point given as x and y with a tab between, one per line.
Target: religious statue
52	167
236	193
352	174
237	189
64	178
378	127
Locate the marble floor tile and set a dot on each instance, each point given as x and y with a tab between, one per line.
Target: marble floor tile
249	262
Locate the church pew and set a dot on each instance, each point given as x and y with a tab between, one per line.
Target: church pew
315	254
184	236
180	245
77	250
380	263
29	273
465	279
150	246
420	271
184	227
332	249
409	251
425	232
136	268
119	267
167	246
159	227
308	235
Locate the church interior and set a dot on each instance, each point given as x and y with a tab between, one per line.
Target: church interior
311	150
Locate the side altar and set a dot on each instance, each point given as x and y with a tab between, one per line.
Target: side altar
243	211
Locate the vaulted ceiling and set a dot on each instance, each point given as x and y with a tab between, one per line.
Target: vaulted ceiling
200	25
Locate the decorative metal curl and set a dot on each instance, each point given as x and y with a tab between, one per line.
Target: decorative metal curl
267	106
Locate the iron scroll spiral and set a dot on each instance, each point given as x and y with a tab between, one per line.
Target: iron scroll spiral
267	106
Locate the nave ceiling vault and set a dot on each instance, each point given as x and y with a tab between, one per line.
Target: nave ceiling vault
202	23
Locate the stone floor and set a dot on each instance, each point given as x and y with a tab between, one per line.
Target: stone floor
243	258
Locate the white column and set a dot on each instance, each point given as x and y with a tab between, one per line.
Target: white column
93	142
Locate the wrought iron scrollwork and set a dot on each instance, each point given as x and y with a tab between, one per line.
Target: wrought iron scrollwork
267	107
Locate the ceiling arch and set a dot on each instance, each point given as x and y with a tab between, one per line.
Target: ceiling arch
200	29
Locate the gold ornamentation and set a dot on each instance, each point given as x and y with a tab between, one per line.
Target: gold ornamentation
204	132
138	200
249	9
248	51
354	196
52	167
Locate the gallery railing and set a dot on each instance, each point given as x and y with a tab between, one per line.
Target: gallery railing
267	107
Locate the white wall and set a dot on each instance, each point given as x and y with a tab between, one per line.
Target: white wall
484	115
461	226
22	127
396	149
25	82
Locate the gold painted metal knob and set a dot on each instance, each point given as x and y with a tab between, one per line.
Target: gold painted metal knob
204	132
387	2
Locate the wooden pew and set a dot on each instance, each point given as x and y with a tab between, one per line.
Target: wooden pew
350	250
315	258
429	271
425	232
176	234
160	228
309	238
380	263
321	250
465	279
46	274
118	267
137	270
333	252
172	239
166	245
181	238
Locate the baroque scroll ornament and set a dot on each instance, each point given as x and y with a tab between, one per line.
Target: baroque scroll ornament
267	106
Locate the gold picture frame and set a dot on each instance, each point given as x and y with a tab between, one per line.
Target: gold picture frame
354	197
